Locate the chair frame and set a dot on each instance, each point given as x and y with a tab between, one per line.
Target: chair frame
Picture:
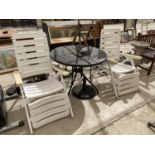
34	106
110	43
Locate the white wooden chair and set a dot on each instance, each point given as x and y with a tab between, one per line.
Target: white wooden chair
125	77
47	100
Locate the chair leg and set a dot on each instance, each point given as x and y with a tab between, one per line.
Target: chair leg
28	118
71	111
151	66
113	81
70	107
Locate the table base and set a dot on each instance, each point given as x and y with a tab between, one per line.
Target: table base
84	93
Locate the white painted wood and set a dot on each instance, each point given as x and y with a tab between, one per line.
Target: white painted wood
38	90
125	78
120	83
131	75
40	102
50	119
22	50
28	34
29	43
47	100
32	73
127	91
127	86
40	53
27	71
122	68
110	42
33	60
48	113
48	106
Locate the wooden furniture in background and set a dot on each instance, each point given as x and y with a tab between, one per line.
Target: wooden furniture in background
62	32
149	53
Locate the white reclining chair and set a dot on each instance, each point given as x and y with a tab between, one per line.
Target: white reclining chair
125	77
47	100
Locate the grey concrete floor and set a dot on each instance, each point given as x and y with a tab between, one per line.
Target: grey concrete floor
134	123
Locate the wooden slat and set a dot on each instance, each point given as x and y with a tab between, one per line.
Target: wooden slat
33	72
127	91
34	60
150	38
110	45
48	106
122	68
48	113
38	42
110	42
128	86
24	35
46	85
26	71
22	50
45	100
40	65
44	91
50	119
129	75
127	81
40	53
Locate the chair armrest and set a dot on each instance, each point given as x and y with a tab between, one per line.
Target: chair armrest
18	79
112	61
134	57
60	71
151	48
59	77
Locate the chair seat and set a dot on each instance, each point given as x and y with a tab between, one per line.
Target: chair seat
43	88
122	68
149	54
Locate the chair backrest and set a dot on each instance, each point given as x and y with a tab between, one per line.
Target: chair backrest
110	42
32	53
150	38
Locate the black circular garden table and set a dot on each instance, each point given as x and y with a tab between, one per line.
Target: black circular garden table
79	57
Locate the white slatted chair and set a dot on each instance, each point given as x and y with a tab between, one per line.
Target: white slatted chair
47	100
125	78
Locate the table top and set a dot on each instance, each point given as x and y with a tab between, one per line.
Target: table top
140	44
78	56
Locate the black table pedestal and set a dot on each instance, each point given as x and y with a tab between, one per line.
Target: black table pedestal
84	93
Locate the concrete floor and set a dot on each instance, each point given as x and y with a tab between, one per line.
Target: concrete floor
134	123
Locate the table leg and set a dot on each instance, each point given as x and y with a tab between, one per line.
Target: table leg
84	91
73	77
86	79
